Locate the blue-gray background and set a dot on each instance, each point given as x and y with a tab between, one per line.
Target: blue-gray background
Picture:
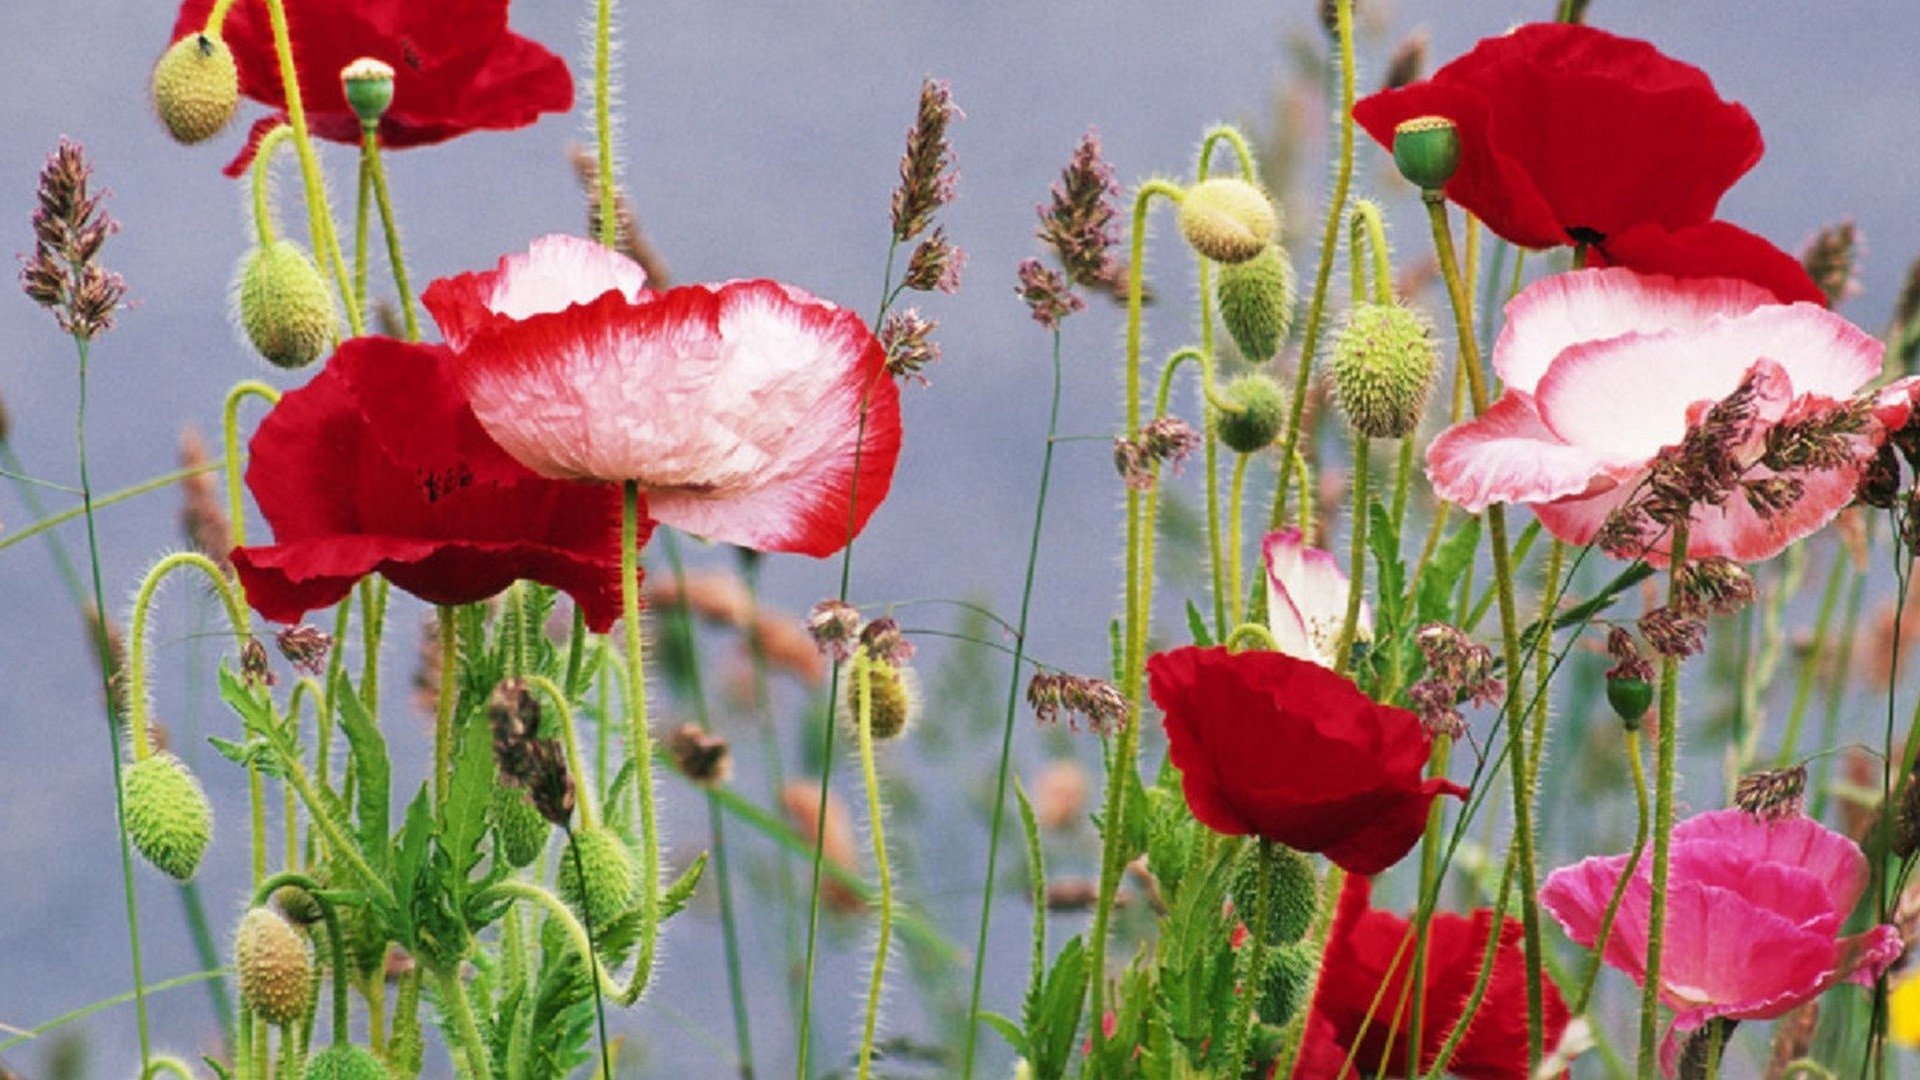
760	140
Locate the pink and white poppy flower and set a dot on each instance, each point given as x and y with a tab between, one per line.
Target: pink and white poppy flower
1307	599
1604	368
736	407
1754	911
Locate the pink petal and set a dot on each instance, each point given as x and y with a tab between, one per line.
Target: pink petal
1307	596
1577	897
555	272
1799	841
1508	454
1563	310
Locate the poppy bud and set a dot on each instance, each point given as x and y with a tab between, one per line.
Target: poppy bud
1426	149
1292	894
1289	980
168	817
345	1061
369	88
196	87
1383	369
523	831
275	964
894	697
285	307
1256	302
1260	416
606	879
1228	220
1630	697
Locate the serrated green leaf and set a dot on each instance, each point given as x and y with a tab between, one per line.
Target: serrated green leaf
463	819
1007	1030
411	862
1434	602
1051	1026
372	775
1390	572
252	705
254	751
681	891
1197	626
1037	876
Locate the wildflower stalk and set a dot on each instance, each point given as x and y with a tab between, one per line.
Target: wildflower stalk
1663	769
1636	760
1256	970
1244	157
362	219
137	636
326	244
1811	665
1356	557
377	173
863	674
449	632
639	743
580	872
230	431
1496	518
1236	497
466	1031
1006	731
603	116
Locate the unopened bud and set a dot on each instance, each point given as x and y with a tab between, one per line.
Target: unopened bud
1256	302
1426	149
168	817
369	87
891	696
522	828
1257	417
345	1061
284	304
1630	697
1228	220
606	879
1383	369
196	87
275	964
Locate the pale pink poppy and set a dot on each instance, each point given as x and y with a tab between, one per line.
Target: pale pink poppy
737	407
1754	912
1603	368
1307	599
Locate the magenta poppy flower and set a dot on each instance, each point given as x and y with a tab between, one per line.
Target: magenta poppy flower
378	466
1307	598
1604	368
1754	911
738	408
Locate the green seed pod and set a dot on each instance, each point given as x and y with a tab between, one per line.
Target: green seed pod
610	878
196	87
167	814
1289	981
895	698
523	832
285	307
1383	369
1256	302
275	964
1228	220
345	1061
1630	698
369	88
1292	895
1261	416
1426	149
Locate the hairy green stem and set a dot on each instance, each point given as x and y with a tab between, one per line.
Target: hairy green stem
137	635
1357	557
370	155
1663	778
326	244
449	632
876	820
466	1031
639	742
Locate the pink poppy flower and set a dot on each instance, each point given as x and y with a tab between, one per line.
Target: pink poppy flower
1754	911
1307	598
1605	368
737	407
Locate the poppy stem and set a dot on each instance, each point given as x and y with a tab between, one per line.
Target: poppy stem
863	676
137	636
230	431
449	633
1254	980
1357	557
603	116
1217	565
326	243
370	160
639	743
466	1031
1666	742
1637	760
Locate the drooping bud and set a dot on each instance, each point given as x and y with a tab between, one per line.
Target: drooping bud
606	880
306	647
345	1061
1629	680
1228	219
168	817
1258	417
275	965
369	87
1426	150
196	87
522	828
1383	369
1256	302
526	760
893	699
284	305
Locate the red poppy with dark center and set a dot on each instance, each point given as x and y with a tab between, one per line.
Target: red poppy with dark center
1573	135
1367	949
457	68
1273	746
378	466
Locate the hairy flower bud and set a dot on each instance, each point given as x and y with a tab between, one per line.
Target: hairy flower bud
284	305
523	829
1383	369
196	87
1256	302
275	964
1292	894
168	817
892	693
1228	219
345	1061
606	880
1259	417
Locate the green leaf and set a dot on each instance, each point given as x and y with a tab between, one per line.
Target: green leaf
1007	1030
1037	875
254	751
252	705
463	820
1391	573
1054	1021
1197	626
681	891
372	775
411	862
1434	602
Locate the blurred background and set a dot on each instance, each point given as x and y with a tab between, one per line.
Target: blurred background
763	140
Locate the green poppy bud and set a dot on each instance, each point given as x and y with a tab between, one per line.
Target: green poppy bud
345	1061
369	87
168	817
894	697
1631	698
1289	981
1426	149
1292	895
196	87
606	881
523	832
1228	220
1259	417
284	304
1384	365
1256	302
275	964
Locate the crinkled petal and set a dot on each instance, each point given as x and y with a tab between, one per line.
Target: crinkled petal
556	272
1509	455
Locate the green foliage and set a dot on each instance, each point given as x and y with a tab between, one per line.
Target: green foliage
371	771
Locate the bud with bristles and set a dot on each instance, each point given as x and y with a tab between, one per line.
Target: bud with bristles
606	880
345	1061
368	84
523	830
168	817
1256	302
1426	149
275	964
1257	417
1292	895
284	305
893	698
1227	219
1288	981
1383	369
196	87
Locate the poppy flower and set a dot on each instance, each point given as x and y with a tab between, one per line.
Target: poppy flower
1278	747
378	466
749	412
1307	598
457	68
1573	135
1753	918
1605	368
1368	950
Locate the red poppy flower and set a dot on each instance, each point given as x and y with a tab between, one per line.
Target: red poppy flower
1570	134
750	412
378	466
457	68
1281	748
1368	949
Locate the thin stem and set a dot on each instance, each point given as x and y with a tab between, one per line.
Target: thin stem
262	180
1255	979
137	636
230	433
326	244
603	115
639	742
1250	635
1357	557
362	218
1663	776
370	155
593	950
449	633
1242	153
1637	760
89	504
1236	497
453	999
863	676
1369	232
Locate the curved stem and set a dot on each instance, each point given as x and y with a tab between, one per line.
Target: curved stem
1242	154
264	892
262	180
863	675
1666	743
165	1063
1236	497
230	433
326	245
370	154
1251	635
137	636
1367	231
589	816
639	743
